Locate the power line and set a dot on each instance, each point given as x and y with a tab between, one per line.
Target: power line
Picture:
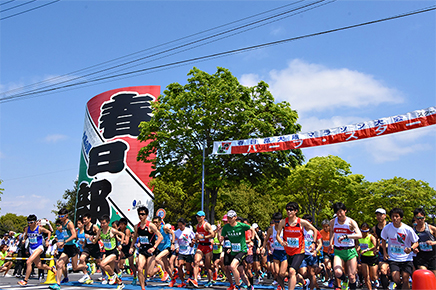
28	10
220	54
271	18
6	2
16	6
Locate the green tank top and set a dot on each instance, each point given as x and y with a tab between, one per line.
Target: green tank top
217	249
365	243
109	242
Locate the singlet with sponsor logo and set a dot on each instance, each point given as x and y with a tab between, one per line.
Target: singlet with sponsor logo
202	231
276	245
340	230
109	242
146	237
67	234
35	238
365	243
90	232
294	238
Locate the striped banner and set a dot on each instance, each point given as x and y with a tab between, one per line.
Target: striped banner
379	127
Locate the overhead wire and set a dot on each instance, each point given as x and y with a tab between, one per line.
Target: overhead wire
105	70
222	54
16	6
28	10
7	2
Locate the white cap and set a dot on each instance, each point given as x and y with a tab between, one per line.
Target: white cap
213	227
255	225
380	210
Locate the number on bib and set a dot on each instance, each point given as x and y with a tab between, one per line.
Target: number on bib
423	246
293	242
397	250
144	240
236	247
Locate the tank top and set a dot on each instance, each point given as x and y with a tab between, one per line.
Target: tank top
276	245
202	231
166	242
80	238
90	232
424	236
340	230
146	237
365	243
67	234
217	248
35	238
109	243
325	241
294	238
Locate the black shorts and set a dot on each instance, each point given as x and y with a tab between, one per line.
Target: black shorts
249	259
294	261
429	262
256	257
92	250
401	267
227	257
112	252
71	250
126	251
369	260
239	256
216	256
327	256
187	258
144	251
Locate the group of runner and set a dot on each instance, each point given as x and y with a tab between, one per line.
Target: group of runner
289	250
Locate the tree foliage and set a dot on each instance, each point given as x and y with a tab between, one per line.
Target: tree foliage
12	222
211	108
68	201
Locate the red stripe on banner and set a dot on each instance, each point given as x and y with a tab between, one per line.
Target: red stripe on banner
338	138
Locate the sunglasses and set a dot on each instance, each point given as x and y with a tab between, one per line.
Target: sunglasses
29	223
420	217
276	221
141	213
62	216
290	209
364	231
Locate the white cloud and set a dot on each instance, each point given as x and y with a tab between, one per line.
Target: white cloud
23	205
249	80
314	87
54	138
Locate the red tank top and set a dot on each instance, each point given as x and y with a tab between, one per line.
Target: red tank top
293	236
203	232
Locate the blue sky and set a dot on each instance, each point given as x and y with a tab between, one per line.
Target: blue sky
334	79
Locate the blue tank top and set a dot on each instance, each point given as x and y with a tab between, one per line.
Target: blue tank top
80	239
60	237
166	242
35	238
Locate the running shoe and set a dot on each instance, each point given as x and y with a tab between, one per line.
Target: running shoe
94	268
89	269
274	283
55	287
193	283
135	281
243	286
165	276
208	284
232	287
306	284
84	278
112	279
120	275
104	281
279	287
120	286
65	280
22	283
89	281
172	282
344	285
182	285
53	269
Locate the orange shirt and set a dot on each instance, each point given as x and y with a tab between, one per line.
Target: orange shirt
325	241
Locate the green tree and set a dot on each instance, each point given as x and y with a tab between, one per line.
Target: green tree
317	184
212	108
407	194
12	222
68	201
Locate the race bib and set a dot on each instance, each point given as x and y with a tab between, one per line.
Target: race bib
144	240
423	246
363	246
293	242
227	244
236	247
33	240
88	241
107	244
215	247
397	250
183	247
307	244
326	243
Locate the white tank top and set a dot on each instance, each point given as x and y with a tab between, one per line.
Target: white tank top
340	230
276	244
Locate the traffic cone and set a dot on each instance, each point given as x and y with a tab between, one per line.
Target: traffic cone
51	277
423	280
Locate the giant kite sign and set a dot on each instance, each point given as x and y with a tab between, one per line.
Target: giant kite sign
379	127
111	180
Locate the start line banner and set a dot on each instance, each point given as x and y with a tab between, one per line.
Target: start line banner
380	127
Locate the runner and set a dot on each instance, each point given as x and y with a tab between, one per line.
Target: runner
327	253
369	260
90	248
149	239
184	241
108	235
165	248
426	252
203	237
69	247
312	244
293	242
235	232
216	256
279	258
402	242
251	239
5	266
383	265
125	249
34	234
343	231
